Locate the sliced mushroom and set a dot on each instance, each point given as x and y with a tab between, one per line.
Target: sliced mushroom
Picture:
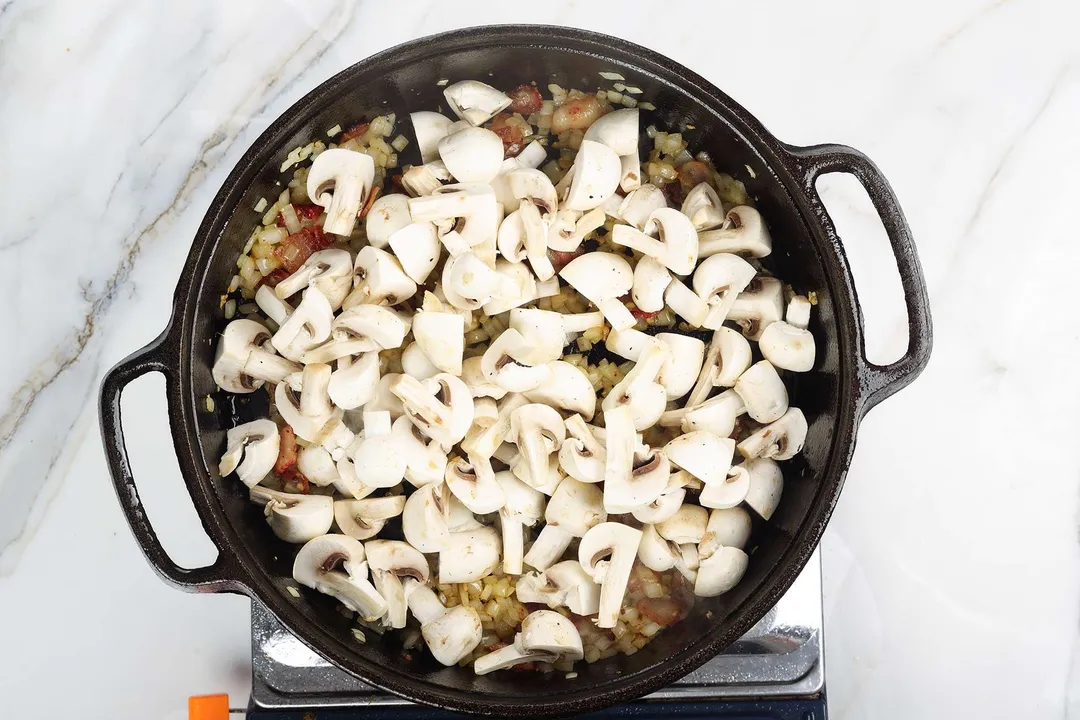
788	347
607	553
545	483
317	465
474	484
780	440
417	248
349	175
430	128
727	527
639	390
630	479
423	520
763	392
379	280
524	506
538	431
425	461
603	278
765	485
469	555
718	280
257	443
311	411
685	526
630	343
390	561
469	283
306	327
686	303
571	512
387	215
727	358
294	518
702	205
415	363
593	178
451	635
568	388
676	247
518	286
328	270
501	366
545	636
720	572
441	407
475	102
657	552
730	492
472	155
568	228
702	454
618	130
743	233
472	374
683	364
563	584
651	280
364	519
423	180
272	306
668	502
360	329
582	456
385	399
761	304
718	414
798	312
543	332
353	383
441	336
483	441
378	452
638	206
335	565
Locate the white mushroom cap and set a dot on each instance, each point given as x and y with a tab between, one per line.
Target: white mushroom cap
474	203
472	374
423	180
458	517
349	175
630	172
441	335
378	452
475	102
728	357
318	465
257	442
364	519
781	440
563	584
618	130
676	247
380	280
310	412
573	509
716	415
387	215
568	228
607	553
417	248
451	635
317	566
501	366
511	239
685	526
469	283
430	128
469	555
720	572
306	327
761	304
425	462
582	456
656	552
567	388
765	485
534	185
518	286
484	440
788	347
444	420
472	154
727	527
718	280
638	206
415	363
294	518
348	483
651	280
542	330
629	343
329	270
524	506
683	365
360	329
538	431
547	482
702	454
686	303
763	392
798	312
384	399
594	176
272	306
390	561
702	205
353	384
423	521
603	278
545	636
743	233
668	502
630	480
730	492
639	390
474	484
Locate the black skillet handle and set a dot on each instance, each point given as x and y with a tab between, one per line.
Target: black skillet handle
881	381
155	357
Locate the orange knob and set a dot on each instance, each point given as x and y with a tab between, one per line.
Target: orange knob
208	707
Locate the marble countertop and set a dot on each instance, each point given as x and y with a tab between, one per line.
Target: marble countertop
951	565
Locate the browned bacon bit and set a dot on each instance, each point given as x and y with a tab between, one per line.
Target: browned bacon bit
559	258
293	251
286	458
576	114
304	212
525	99
354	132
273	278
512	134
641	314
370	201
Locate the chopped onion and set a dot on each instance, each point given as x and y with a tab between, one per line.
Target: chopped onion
292	222
611	76
261	205
334	130
400	143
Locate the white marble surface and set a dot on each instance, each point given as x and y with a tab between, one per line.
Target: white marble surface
952	582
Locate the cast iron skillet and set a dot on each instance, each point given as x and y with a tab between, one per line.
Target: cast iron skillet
843	386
